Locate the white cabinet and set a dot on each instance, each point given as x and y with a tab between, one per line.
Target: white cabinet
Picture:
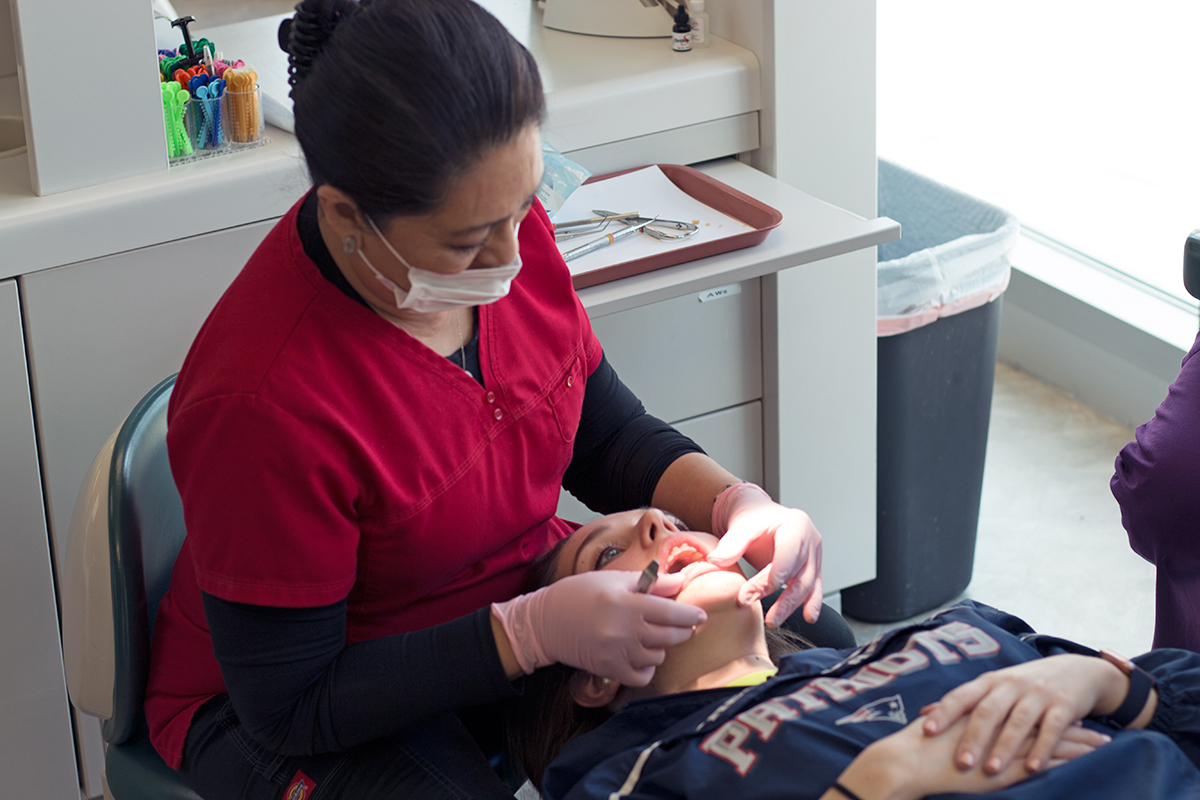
37	758
694	361
103	332
732	436
689	355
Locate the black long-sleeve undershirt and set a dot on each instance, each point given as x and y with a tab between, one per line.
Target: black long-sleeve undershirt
299	689
620	451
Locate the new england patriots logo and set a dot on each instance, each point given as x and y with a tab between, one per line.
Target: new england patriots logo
888	709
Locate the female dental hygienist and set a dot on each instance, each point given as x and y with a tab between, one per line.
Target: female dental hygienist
371	429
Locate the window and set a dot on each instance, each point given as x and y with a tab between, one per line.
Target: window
1082	118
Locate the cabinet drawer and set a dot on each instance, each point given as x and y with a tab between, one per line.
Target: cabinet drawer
685	357
733	437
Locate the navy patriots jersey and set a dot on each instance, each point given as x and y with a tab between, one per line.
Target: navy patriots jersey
793	735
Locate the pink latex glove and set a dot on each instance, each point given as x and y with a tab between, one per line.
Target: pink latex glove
782	543
597	622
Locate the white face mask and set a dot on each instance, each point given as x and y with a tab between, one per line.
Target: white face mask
436	291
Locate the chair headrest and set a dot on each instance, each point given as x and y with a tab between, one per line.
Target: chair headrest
126	531
87	594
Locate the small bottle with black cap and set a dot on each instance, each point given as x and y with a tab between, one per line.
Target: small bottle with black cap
681	34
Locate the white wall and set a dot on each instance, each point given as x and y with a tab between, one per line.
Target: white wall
8	50
818	135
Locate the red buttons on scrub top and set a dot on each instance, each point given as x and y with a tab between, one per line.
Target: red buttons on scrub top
570	380
498	414
490	397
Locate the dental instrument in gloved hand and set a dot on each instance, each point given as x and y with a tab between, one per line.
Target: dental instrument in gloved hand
649	574
596	621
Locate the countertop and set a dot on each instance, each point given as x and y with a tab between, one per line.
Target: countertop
598	90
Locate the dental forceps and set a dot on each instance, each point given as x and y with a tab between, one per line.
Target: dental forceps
579	227
605	240
685	229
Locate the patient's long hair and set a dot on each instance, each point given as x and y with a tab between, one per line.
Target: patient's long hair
546	718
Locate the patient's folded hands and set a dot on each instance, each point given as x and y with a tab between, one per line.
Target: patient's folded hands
1042	699
910	764
994	731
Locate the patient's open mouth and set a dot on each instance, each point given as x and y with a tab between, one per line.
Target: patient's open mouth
680	556
684	555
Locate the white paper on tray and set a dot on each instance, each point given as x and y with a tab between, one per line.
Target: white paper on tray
650	193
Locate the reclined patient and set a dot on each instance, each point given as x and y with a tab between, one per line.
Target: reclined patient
1001	705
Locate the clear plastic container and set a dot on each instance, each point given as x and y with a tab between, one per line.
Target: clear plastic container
205	126
243	119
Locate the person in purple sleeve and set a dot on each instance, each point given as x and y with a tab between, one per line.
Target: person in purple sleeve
1157	484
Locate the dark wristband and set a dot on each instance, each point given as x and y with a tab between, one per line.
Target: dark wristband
1140	684
849	794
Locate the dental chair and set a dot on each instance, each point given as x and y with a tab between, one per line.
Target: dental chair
126	530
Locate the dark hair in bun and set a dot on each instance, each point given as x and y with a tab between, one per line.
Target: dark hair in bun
303	36
395	98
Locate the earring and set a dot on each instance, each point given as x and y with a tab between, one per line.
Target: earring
350	245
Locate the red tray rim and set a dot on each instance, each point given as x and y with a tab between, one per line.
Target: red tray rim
741	204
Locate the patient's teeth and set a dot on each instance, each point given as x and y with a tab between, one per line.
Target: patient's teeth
681	556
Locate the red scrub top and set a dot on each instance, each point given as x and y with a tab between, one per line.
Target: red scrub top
322	453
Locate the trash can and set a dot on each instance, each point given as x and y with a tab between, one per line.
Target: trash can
939	300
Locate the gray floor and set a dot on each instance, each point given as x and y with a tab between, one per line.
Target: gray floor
1050	547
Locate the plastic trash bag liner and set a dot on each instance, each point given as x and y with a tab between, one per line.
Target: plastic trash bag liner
562	176
953	254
